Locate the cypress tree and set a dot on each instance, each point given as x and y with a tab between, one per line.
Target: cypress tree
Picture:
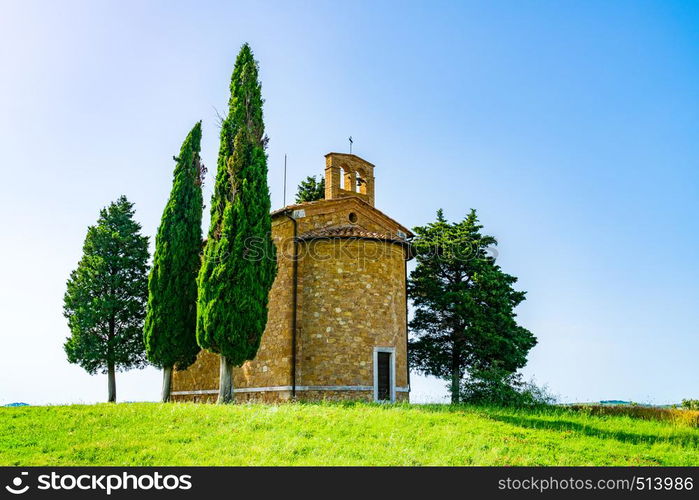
170	326
105	301
239	261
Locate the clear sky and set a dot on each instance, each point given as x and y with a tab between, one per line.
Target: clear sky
572	127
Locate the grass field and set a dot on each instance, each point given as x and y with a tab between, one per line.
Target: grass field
335	434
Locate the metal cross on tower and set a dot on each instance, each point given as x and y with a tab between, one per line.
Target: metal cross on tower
351	142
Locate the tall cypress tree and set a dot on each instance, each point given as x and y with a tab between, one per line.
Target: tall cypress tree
239	261
170	327
106	296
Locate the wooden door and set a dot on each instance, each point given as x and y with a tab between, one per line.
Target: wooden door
384	376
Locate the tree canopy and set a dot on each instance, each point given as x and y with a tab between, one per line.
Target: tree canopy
170	325
106	296
464	321
239	263
310	189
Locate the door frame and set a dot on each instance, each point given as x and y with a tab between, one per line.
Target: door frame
392	372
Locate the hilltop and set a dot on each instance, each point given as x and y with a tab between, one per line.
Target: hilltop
335	434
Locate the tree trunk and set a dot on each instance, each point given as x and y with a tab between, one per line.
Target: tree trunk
167	382
111	383
455	376
225	385
111	377
455	387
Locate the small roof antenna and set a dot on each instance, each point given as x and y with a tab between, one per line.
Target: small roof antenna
284	202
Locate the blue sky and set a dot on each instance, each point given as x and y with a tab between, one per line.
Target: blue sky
570	126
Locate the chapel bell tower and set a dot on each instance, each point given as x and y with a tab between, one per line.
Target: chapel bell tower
348	175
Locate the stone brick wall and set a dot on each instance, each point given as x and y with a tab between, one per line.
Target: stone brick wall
350	302
272	365
351	298
324	213
201	376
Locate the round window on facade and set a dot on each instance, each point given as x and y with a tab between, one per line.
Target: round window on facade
352	217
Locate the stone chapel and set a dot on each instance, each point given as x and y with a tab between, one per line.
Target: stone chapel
337	316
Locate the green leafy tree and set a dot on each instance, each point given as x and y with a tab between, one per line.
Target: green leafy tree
171	319
106	296
464	321
239	261
310	190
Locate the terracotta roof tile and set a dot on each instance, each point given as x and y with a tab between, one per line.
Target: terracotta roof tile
349	231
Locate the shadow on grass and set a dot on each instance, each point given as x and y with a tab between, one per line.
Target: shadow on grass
554	418
688	439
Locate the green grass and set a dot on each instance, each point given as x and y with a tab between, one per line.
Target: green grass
335	434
